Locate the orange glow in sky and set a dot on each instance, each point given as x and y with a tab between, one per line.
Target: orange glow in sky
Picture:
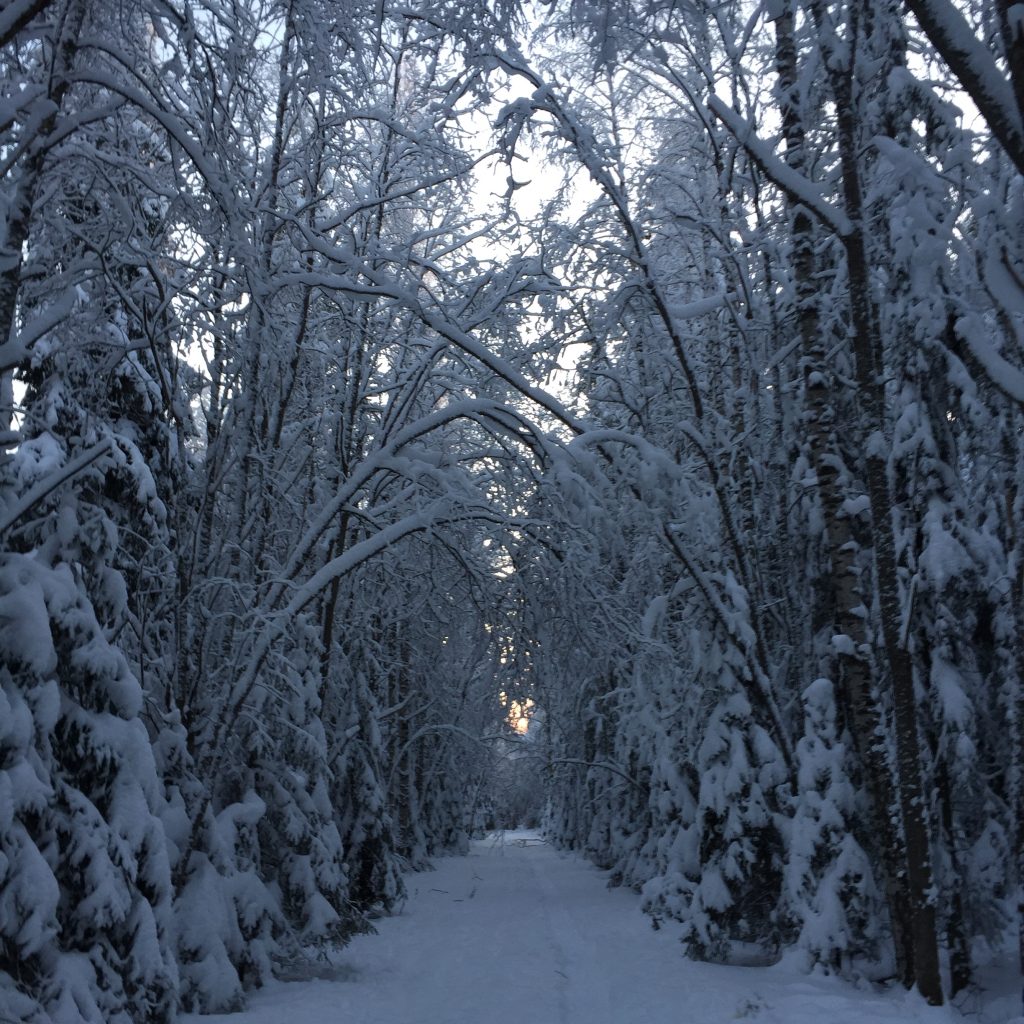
518	714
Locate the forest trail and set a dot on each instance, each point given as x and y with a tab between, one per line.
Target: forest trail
519	932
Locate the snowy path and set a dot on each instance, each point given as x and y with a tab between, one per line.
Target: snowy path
517	932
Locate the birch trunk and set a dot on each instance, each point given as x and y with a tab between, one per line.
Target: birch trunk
867	347
856	677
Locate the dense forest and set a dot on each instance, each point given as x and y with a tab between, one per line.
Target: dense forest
374	373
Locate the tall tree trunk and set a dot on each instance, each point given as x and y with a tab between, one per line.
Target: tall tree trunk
1015	547
956	932
844	578
867	347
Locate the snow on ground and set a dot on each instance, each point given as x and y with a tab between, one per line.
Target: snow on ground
518	931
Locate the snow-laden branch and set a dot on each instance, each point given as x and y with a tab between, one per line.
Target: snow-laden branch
801	190
603	765
343	564
438	513
16	15
15	351
1003	374
977	71
651	453
429	730
758	686
50	483
373	283
174	125
588	151
374	463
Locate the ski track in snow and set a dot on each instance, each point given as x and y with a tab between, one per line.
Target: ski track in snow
518	931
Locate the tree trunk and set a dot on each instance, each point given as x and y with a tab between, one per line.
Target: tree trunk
856	680
956	932
867	349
